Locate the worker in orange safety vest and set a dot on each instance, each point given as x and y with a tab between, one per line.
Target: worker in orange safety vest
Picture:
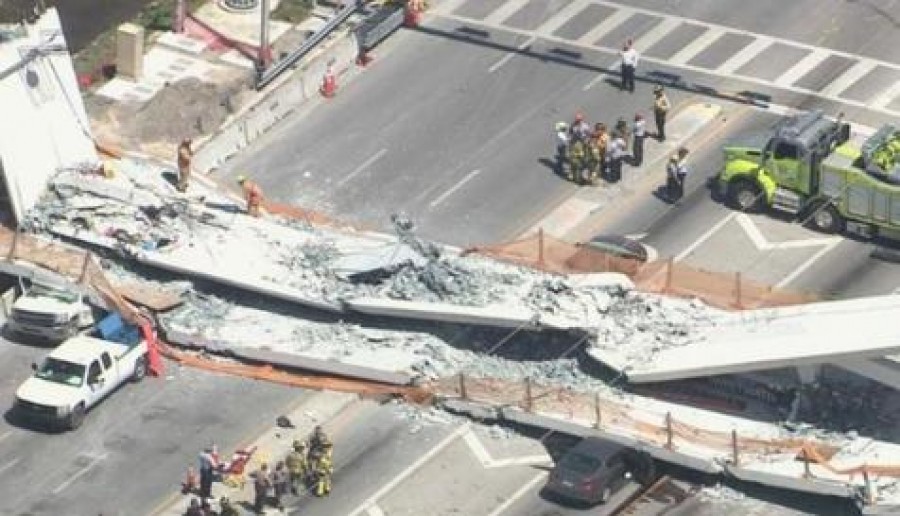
252	194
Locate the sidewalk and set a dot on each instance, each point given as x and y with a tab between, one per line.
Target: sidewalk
322	408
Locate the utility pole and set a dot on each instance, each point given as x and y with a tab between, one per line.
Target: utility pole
178	18
264	59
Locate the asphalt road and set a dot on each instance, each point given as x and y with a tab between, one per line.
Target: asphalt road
134	448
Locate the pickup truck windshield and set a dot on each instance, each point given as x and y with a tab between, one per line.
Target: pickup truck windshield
38	290
60	371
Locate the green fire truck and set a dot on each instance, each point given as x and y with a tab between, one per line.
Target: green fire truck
809	168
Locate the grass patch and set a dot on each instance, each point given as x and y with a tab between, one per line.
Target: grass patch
101	53
293	11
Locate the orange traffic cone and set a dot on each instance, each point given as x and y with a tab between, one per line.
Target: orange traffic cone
329	83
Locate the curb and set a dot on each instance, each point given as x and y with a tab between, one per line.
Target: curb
288	92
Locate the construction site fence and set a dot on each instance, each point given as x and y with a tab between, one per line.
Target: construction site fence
663	430
728	290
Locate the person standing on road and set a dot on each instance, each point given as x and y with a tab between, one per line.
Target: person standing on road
184	164
261	485
324	468
616	156
629	64
562	145
639	131
281	481
208	464
676	173
297	467
660	111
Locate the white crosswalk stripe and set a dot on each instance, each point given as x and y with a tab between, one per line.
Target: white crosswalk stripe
849	77
564	15
606	26
802	67
745	55
698	45
882	101
654	35
505	11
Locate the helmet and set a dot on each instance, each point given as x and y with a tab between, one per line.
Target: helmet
658	88
241	179
298	445
561	126
579	117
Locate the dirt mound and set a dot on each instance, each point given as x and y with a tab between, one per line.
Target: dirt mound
189	107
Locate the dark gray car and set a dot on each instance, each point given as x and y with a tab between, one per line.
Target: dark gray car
591	471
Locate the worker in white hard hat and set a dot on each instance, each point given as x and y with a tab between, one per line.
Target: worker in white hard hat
252	194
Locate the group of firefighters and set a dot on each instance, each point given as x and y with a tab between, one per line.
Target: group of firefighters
308	467
586	154
252	192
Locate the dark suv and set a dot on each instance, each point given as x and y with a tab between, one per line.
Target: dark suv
591	471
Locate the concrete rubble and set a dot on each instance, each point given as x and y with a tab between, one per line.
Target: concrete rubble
138	213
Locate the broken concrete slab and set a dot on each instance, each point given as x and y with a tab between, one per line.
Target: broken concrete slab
768	339
501	317
328	367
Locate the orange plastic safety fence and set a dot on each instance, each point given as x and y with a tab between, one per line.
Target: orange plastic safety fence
724	290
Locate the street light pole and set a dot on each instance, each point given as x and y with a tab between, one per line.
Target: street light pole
265	56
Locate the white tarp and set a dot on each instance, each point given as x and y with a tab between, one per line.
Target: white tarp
43	126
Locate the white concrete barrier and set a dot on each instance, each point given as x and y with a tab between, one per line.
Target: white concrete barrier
300	86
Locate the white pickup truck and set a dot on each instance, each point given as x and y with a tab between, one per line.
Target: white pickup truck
82	371
48	312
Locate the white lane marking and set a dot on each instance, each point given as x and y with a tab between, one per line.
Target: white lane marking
10	464
562	16
882	99
505	59
506	10
807	264
488	462
80	473
365	164
705	236
652	36
756	47
447	441
518	494
696	46
849	77
613	68
607	25
375	510
763	244
879	105
802	67
454	188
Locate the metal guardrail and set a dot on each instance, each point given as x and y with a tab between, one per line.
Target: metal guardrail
264	77
379	26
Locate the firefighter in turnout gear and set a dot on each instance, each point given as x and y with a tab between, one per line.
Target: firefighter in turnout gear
577	159
297	466
322	472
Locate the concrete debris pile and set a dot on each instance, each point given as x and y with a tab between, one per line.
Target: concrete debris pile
138	212
719	492
225	325
639	326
